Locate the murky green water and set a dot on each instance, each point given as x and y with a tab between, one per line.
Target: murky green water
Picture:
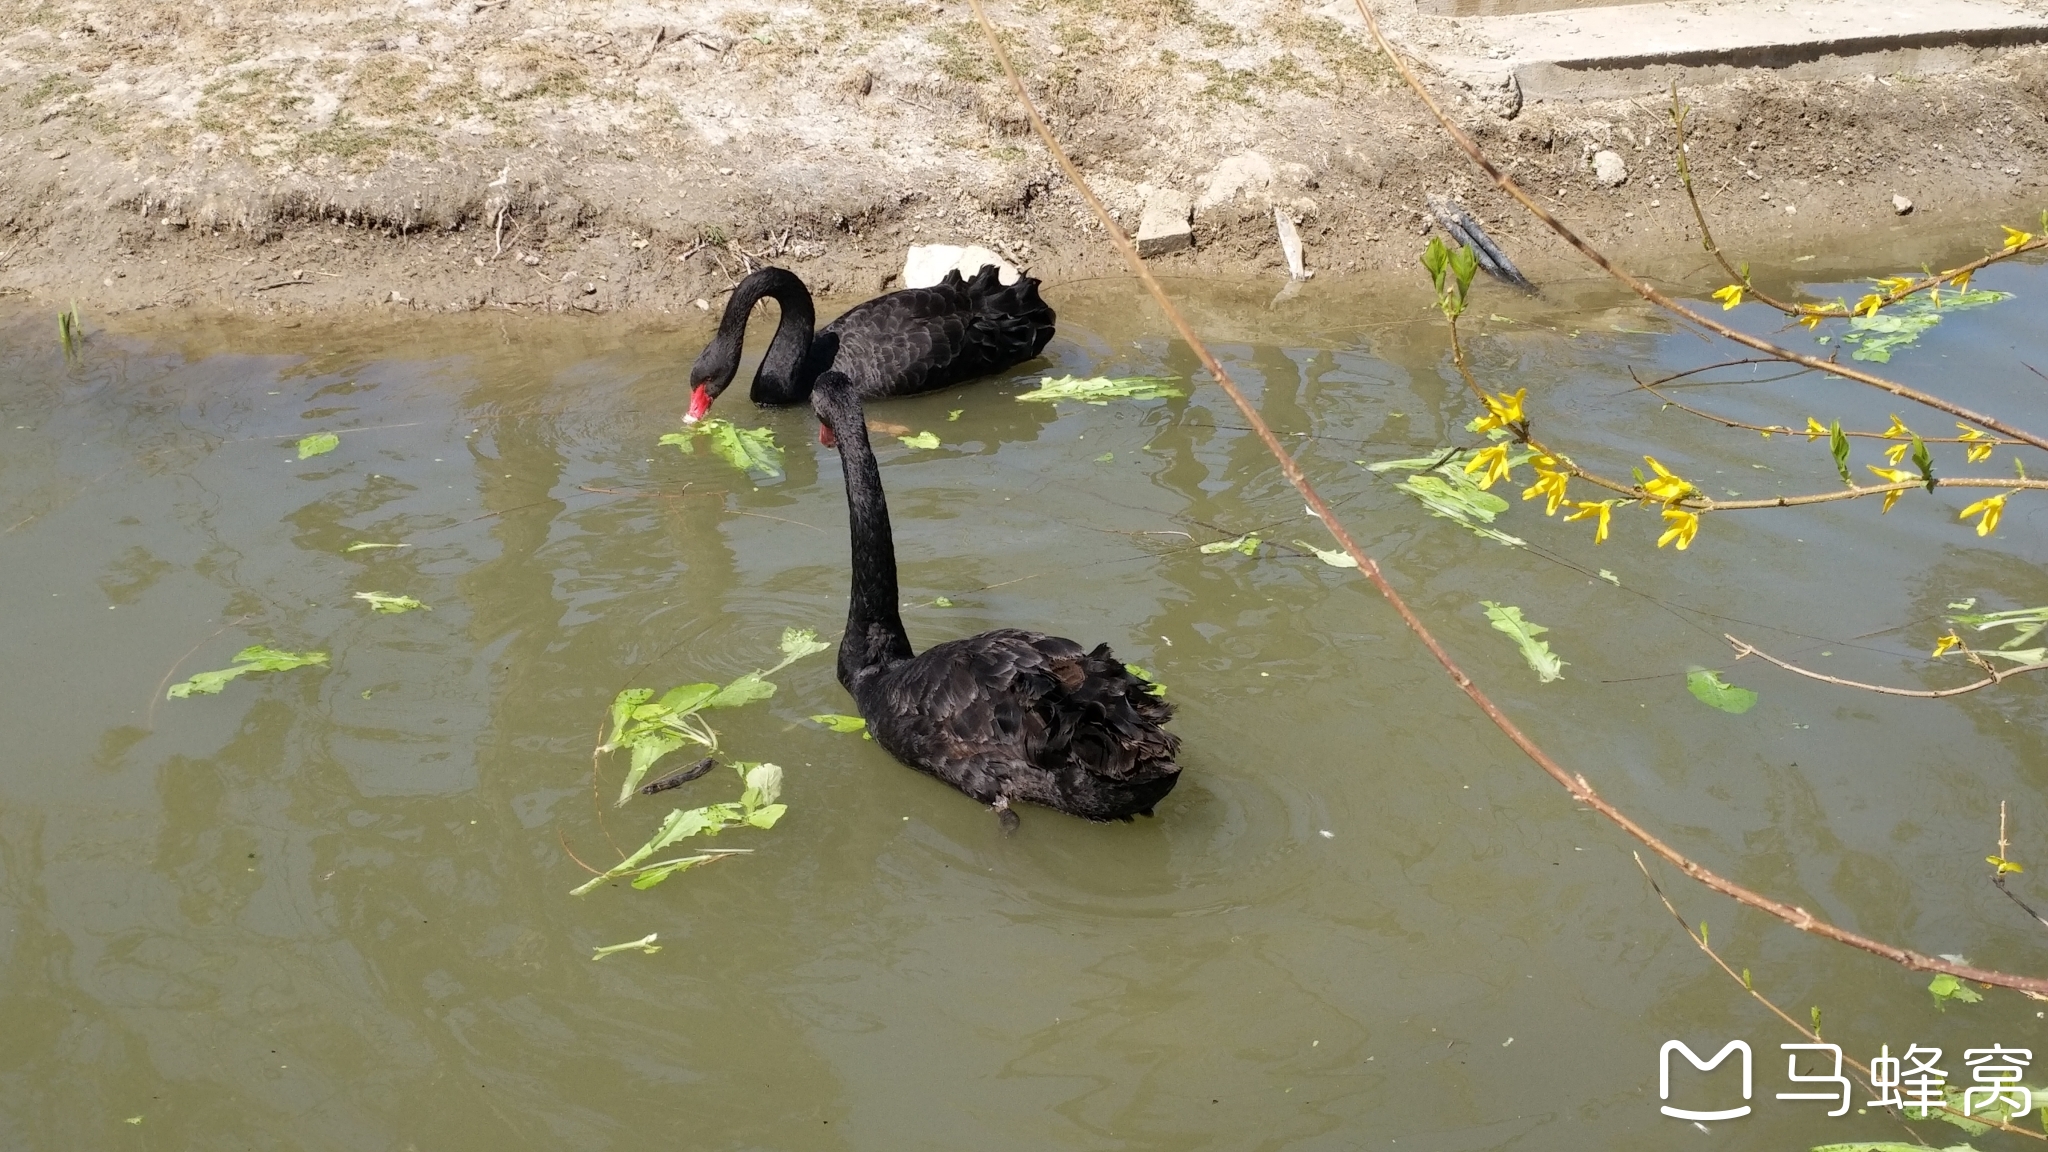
329	908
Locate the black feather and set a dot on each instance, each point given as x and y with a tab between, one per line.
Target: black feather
1005	716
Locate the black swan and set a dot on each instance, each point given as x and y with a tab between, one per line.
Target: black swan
900	344
1005	716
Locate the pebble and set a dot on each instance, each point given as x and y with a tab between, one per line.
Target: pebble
1901	206
1609	169
589	289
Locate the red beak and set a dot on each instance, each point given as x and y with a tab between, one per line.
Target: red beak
700	403
826	437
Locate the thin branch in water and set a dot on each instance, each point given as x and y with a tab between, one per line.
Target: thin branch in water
1743	649
1999	869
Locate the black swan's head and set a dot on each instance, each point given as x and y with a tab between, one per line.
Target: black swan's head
833	399
711	374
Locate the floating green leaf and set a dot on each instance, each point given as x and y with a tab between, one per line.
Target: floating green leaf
1946	988
645	944
840	723
1899	325
255	658
941	602
1152	684
1441	484
1102	389
1506	618
751	450
652	728
365	545
1709	689
1247	544
384	602
756	808
954	414
921	440
1105	458
2026	624
318	444
1610	577
1334	557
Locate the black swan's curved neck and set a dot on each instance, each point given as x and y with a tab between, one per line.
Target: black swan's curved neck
874	622
780	378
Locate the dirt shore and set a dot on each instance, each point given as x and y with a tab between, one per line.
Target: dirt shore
262	158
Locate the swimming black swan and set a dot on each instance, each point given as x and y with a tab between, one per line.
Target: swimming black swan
1005	716
900	344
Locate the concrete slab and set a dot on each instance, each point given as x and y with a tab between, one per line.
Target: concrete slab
1164	226
1630	49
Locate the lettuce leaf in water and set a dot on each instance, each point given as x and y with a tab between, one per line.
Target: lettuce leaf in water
751	450
1102	389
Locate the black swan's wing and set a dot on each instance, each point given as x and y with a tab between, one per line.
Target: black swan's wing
922	339
1026	716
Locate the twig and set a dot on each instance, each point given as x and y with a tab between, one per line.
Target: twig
1743	649
1810	1034
1998	870
1649	292
1783	430
1575	785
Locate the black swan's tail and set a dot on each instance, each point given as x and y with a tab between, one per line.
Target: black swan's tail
1007	323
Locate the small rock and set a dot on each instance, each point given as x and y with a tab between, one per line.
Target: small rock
702	304
1609	170
589	289
529	259
725	171
397	299
1164	226
1791	209
1901	206
927	264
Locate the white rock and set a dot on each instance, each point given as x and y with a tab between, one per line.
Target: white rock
1164	226
1901	206
927	264
1232	176
1609	170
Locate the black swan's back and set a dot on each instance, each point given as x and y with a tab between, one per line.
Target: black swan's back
923	339
1011	715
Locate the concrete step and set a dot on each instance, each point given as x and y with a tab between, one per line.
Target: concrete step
1631	49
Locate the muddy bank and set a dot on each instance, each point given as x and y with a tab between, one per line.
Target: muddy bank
261	158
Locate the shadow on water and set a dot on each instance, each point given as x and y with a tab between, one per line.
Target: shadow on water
329	908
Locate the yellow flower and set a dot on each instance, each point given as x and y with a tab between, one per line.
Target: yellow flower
1815	430
1869	305
1980	445
1894	476
1961	279
1811	319
1549	483
2003	865
1893	285
1729	296
1493	461
1944	643
2014	237
1502	410
1898	430
1896	453
1666	487
1684	526
1992	507
1598	508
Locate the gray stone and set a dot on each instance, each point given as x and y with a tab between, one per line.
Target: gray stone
1609	170
1902	206
1236	174
1164	227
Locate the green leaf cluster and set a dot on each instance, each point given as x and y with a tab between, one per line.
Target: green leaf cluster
1877	336
2026	624
255	658
1102	389
1507	618
921	440
1247	544
841	723
1442	485
756	808
1945	988
653	728
1708	688
751	450
1461	263
318	444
